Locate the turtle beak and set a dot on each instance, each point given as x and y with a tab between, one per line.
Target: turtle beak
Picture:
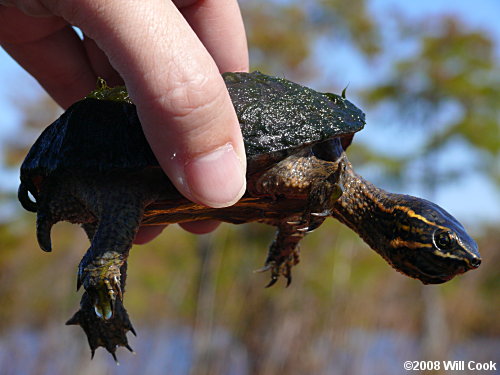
473	261
469	252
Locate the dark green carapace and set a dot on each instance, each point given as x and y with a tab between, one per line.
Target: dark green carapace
94	167
64	146
277	114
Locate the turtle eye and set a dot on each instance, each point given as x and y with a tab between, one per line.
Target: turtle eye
443	240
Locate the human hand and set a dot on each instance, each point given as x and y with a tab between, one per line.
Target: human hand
169	54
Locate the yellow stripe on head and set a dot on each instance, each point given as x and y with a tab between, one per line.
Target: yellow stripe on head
413	214
398	242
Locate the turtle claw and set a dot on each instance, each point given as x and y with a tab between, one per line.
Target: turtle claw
272	282
276	273
78	281
288	276
131	328
266	268
277	270
116	282
321	214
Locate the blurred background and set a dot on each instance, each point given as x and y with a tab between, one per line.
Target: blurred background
427	74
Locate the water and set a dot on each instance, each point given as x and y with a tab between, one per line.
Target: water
167	349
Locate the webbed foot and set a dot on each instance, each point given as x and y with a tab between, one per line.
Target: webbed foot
109	333
101	280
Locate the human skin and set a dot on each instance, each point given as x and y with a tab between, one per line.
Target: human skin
170	55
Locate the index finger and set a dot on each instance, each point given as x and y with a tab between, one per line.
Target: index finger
219	26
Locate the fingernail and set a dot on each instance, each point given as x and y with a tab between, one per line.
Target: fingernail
216	179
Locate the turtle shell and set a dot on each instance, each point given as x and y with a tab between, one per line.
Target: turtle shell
274	114
92	134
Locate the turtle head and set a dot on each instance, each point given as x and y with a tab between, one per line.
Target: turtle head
427	243
417	237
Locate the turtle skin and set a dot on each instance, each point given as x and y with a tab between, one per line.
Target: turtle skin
94	167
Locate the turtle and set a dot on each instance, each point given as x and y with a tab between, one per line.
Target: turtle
94	167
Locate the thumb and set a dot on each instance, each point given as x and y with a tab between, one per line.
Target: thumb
181	98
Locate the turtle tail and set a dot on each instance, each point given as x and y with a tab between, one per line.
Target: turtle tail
44	223
26	202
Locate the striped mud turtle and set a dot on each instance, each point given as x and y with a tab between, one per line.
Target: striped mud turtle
94	167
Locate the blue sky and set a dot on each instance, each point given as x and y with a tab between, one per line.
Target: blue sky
473	199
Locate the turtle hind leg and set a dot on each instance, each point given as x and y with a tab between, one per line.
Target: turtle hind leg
90	229
103	272
111	239
109	333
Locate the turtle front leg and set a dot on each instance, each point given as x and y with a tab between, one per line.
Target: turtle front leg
325	192
283	253
301	176
304	176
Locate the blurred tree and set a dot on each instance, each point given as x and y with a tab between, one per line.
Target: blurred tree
453	71
36	114
282	35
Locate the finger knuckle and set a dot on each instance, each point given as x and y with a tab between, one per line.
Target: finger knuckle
188	98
